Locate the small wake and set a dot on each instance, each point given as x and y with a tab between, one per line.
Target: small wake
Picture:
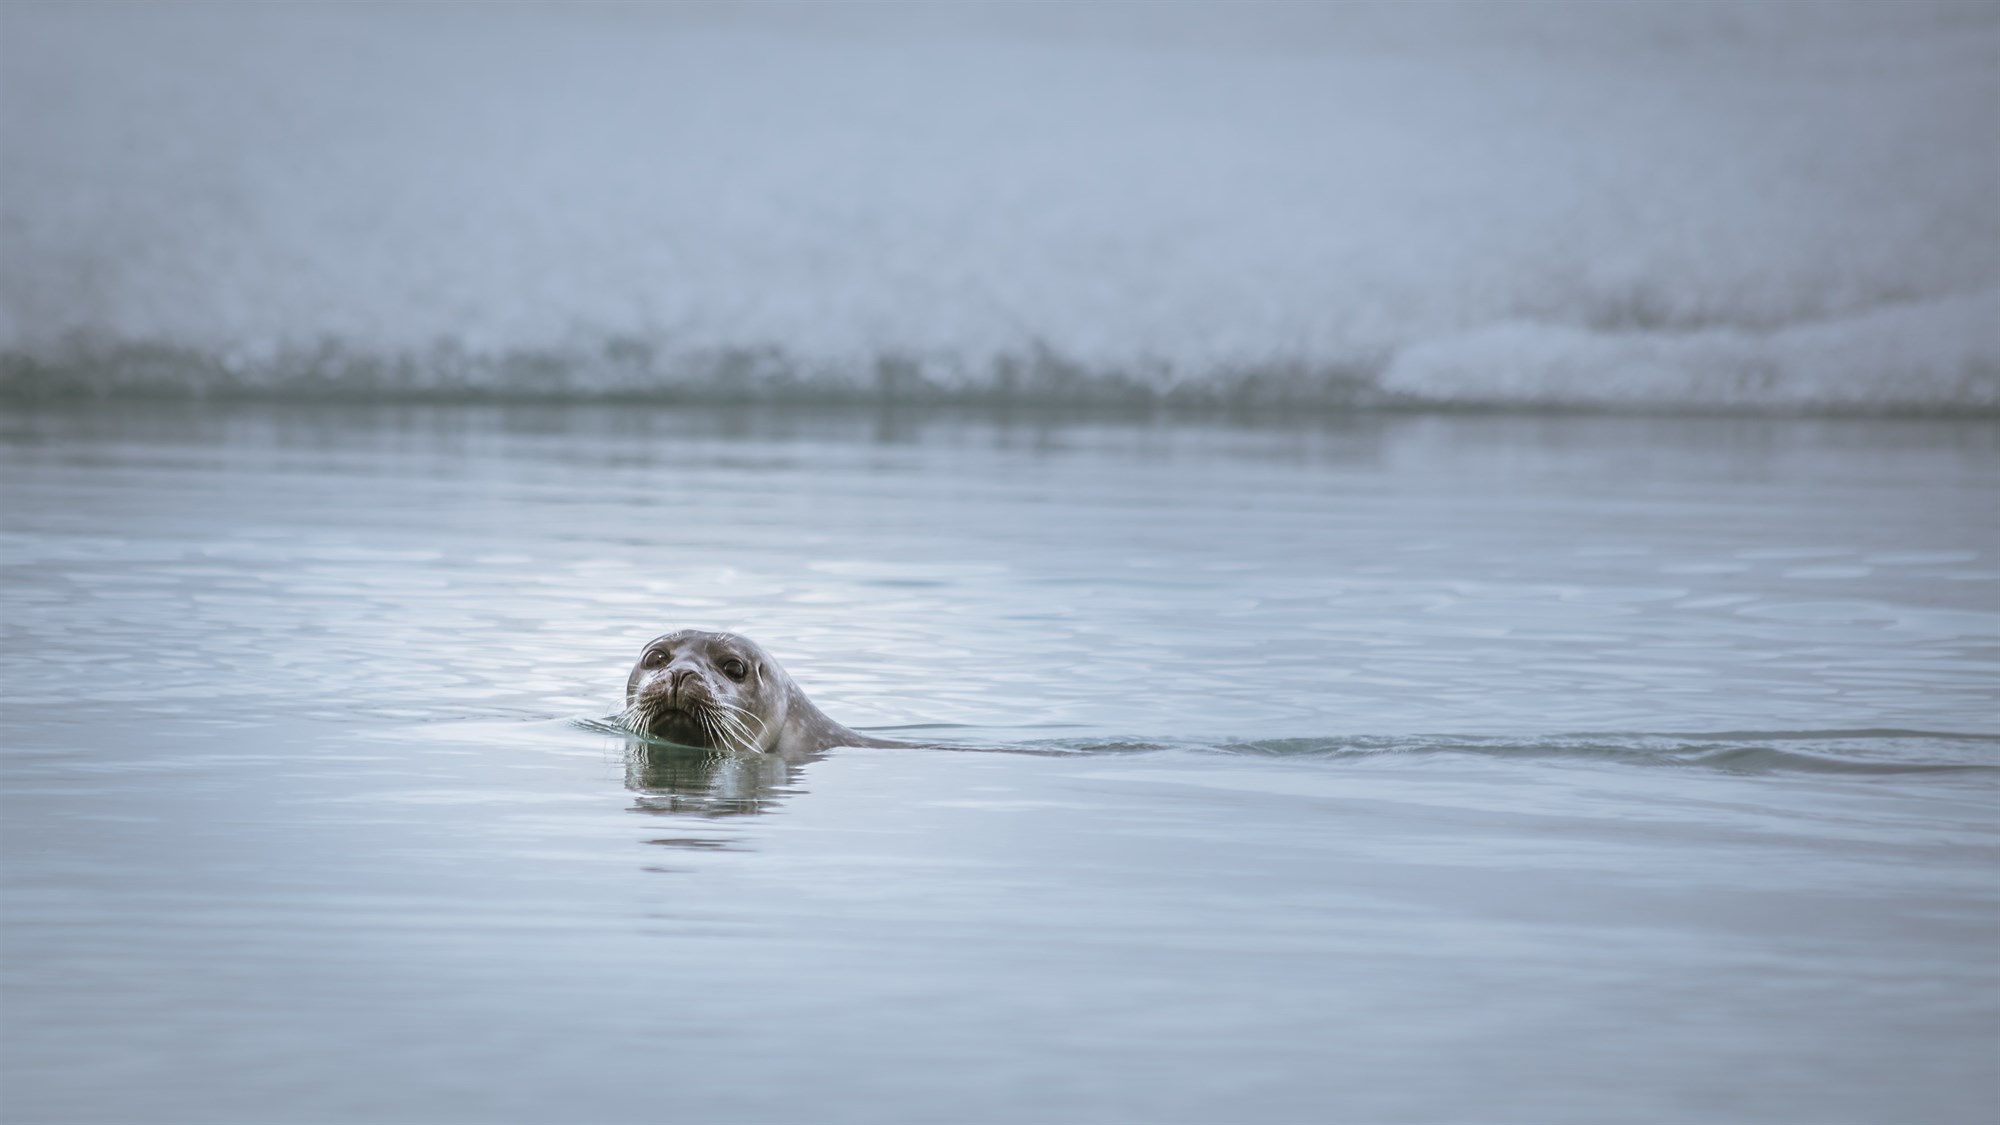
1745	752
1861	751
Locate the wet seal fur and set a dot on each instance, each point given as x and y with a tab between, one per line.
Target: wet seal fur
720	691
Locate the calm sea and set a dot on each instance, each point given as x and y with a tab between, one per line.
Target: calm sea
1395	768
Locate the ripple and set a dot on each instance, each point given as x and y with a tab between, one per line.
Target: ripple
1828	572
1845	752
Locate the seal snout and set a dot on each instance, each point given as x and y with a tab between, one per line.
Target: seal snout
678	688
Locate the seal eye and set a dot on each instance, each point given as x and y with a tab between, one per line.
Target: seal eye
654	658
735	669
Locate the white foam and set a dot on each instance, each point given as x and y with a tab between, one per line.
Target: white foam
1709	205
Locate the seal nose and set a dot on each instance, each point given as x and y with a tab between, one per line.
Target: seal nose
675	680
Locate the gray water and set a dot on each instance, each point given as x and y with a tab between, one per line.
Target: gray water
1396	768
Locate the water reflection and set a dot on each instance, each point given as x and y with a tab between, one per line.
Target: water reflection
691	781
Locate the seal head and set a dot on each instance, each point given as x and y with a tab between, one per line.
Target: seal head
721	691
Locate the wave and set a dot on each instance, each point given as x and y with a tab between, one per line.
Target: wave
1823	752
1717	207
1883	751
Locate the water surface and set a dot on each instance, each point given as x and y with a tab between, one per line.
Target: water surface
1390	768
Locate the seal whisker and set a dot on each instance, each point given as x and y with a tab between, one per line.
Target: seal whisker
739	735
740	714
753	741
633	718
733	732
644	713
710	723
737	717
711	720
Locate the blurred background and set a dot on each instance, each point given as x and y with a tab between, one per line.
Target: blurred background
1530	204
1453	544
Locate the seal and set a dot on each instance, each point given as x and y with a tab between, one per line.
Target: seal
720	691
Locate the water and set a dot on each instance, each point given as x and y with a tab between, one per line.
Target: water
1528	204
1384	768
